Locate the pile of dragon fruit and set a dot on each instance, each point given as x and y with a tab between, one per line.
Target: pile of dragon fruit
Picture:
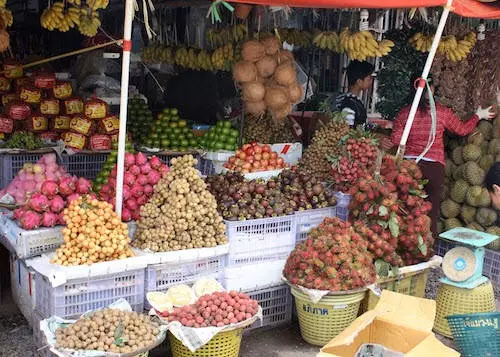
141	174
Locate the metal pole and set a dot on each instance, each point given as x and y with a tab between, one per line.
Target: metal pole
127	47
425	74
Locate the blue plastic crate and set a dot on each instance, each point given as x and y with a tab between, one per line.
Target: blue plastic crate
12	163
276	303
85	164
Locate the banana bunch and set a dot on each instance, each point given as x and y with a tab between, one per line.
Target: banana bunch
421	42
89	22
75	2
456	50
328	41
362	44
240	32
222	57
6	16
97	4
296	37
52	17
186	58
204	61
219	38
3	3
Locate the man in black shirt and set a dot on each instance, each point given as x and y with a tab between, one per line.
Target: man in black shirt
359	77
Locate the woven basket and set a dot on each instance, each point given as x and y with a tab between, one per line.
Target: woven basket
224	344
452	300
321	322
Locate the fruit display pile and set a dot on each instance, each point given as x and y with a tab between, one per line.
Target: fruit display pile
45	208
221	136
254	158
93	233
466	202
6	21
333	257
170	132
267	77
181	213
217	309
140	119
109	164
393	213
264	129
141	175
326	142
109	330
239	199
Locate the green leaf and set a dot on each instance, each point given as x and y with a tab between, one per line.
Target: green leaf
394	271
382	268
383	224
370	210
119	340
394	226
382	211
418	193
422	247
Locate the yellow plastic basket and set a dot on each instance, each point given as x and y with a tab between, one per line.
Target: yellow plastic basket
224	344
412	284
452	300
321	322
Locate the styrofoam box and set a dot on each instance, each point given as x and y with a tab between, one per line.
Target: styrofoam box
276	303
262	239
218	158
253	276
309	219
39	340
22	282
290	152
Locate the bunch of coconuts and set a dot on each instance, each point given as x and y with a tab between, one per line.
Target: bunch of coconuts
267	78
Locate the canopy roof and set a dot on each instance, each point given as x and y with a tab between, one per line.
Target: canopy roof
466	8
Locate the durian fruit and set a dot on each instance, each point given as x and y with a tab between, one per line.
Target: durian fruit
484	199
486	128
451	223
494	146
456	155
459	190
486	216
459	173
449	168
474	174
475	226
475	138
486	161
450	209
471	152
472	196
440	226
484	147
468	213
495	245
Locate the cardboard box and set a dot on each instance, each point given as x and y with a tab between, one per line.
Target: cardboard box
399	322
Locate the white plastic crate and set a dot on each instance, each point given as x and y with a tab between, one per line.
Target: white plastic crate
262	239
276	303
29	243
217	160
77	296
22	283
343	201
309	219
253	276
159	277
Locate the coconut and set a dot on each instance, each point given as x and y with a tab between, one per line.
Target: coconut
281	112
252	51
255	108
271	45
285	74
276	97
284	56
295	92
244	71
266	66
253	91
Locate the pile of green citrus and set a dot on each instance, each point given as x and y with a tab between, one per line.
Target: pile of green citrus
221	136
140	119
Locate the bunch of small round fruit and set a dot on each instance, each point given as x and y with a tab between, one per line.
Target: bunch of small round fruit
221	136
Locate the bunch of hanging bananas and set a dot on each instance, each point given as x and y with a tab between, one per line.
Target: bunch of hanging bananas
421	42
222	57
75	2
97	4
186	57
89	22
456	50
221	37
328	40
296	37
204	61
362	44
6	16
52	16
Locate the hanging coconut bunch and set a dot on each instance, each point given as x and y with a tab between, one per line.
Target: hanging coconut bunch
267	78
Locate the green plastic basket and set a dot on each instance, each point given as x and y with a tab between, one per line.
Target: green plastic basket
224	344
476	334
321	322
452	300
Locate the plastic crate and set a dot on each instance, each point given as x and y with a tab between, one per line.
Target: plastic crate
77	296
159	277
206	167
12	163
262	239
29	243
476	334
276	303
253	276
22	283
85	164
343	201
309	219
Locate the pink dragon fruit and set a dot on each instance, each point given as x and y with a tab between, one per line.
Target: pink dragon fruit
67	186
112	182
142	200
126	215
164	169
136	215
49	219
18	212
39	202
128	179
30	220
142	179
126	192
83	186
148	190
137	191
131	204
48	159
105	189
57	204
146	168
141	159
129	159
134	170
153	177
60	219
49	188
155	162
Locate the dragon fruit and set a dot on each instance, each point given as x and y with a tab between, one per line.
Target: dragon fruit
137	190
134	170
141	159
57	204
49	219
155	162
153	177
71	197
83	186
30	220
141	200
129	159
67	186
114	171
39	202
146	168
60	219
148	190
128	179
131	204
126	215
126	192
49	188
136	215
18	213
142	179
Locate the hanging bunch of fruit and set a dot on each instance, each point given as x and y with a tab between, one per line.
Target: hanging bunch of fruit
267	77
454	49
361	45
299	38
221	37
63	17
6	20
328	40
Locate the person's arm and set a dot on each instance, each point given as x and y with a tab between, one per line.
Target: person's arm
399	125
453	124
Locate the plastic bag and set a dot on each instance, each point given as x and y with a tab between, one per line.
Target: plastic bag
302	80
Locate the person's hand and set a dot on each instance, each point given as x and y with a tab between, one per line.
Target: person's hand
386	144
486	113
